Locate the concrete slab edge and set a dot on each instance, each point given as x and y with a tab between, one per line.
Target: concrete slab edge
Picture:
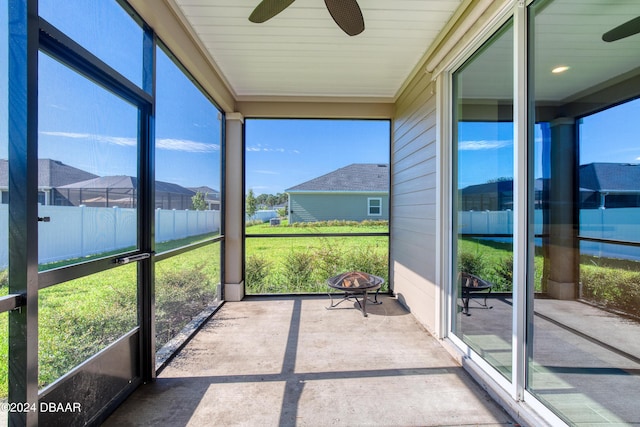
171	348
522	413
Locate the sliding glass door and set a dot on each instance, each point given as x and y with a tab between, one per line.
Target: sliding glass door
545	256
483	201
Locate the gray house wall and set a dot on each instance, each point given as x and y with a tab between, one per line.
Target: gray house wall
419	177
413	206
309	207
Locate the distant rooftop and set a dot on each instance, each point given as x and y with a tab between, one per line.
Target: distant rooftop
125	182
210	193
614	177
355	177
51	173
603	177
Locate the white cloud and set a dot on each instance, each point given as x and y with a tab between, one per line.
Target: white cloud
266	150
483	145
263	149
185	145
162	143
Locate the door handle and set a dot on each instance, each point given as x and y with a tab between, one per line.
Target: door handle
133	258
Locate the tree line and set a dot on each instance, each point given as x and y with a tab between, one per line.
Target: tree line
261	201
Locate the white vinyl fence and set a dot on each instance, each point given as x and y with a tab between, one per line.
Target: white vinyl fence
613	224
262	215
75	232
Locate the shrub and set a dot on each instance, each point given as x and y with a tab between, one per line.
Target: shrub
4	280
327	260
342	223
471	263
611	287
256	270
368	259
503	274
180	295
253	222
298	269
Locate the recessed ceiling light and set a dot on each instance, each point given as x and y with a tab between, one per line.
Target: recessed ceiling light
560	69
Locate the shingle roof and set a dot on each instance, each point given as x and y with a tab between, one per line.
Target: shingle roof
502	186
604	177
127	182
51	173
614	177
355	177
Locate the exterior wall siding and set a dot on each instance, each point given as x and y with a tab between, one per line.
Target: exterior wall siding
327	207
413	209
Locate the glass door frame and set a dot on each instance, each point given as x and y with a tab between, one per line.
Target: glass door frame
28	36
514	391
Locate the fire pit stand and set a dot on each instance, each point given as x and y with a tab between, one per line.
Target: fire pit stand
355	283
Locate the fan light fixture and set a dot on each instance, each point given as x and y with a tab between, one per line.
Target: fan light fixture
346	13
560	69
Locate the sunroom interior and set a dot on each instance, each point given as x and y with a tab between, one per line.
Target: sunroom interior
513	157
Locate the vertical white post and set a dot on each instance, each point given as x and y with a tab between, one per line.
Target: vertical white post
444	215
234	208
520	213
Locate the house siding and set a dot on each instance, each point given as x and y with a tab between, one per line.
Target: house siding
413	207
326	207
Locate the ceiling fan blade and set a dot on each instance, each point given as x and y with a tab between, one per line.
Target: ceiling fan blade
347	15
267	9
627	29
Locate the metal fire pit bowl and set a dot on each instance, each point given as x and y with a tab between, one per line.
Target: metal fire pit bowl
355	283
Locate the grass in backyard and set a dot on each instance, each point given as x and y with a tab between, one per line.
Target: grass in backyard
80	317
611	283
493	261
302	264
320	227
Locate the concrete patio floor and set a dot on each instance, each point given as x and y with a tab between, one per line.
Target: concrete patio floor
290	361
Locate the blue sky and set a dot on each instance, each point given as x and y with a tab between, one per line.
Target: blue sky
616	129
284	153
612	136
85	126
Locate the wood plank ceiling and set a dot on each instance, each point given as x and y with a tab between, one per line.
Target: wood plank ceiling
302	52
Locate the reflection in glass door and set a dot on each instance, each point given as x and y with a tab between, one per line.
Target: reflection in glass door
584	315
483	201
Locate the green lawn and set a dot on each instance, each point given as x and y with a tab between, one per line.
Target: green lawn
80	317
609	283
302	264
494	262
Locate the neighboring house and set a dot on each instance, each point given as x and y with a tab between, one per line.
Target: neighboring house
356	192
610	185
51	174
602	185
211	196
494	196
121	191
490	196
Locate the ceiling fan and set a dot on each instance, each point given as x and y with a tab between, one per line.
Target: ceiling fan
346	13
627	29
